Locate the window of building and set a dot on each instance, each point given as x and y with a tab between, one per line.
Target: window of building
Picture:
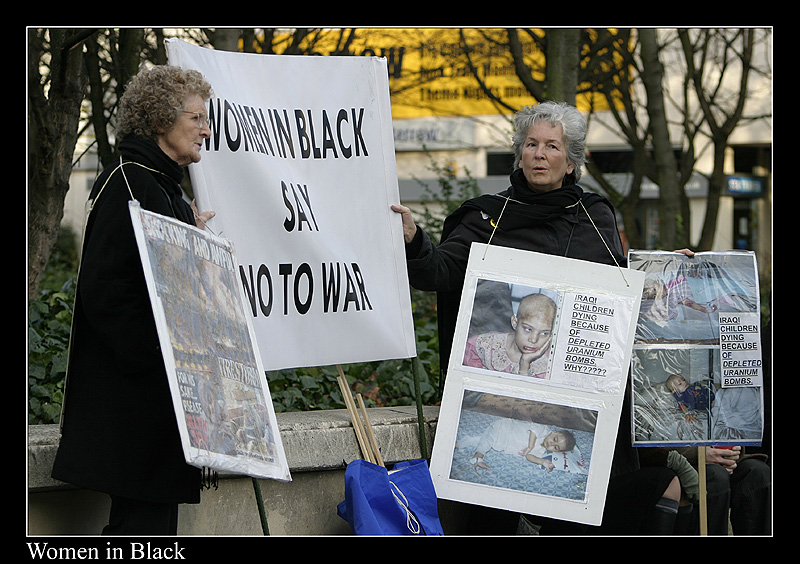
752	159
613	161
499	164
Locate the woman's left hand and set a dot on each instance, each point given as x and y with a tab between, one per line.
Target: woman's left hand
409	227
201	218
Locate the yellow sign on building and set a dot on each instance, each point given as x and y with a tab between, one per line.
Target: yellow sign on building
446	71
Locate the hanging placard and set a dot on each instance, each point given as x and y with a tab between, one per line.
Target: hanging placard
222	401
697	376
534	390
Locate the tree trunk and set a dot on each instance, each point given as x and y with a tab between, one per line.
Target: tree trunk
53	132
563	58
721	118
666	166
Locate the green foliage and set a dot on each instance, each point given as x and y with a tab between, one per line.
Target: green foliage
452	192
381	384
49	319
49	322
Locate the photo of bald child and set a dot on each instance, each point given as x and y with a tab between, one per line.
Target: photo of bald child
511	329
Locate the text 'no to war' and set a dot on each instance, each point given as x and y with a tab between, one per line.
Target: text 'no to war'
343	288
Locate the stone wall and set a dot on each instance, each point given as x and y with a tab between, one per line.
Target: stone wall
318	446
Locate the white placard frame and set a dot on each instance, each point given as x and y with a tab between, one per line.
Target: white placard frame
561	275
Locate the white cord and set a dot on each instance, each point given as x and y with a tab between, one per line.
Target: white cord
411	519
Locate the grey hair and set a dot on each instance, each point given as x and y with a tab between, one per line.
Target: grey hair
154	97
556	113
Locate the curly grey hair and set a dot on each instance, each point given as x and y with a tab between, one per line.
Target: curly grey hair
556	113
154	98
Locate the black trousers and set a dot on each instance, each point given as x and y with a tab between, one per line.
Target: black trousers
746	493
143	518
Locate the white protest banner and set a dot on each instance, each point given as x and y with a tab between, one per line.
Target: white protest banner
697	375
541	349
222	402
301	173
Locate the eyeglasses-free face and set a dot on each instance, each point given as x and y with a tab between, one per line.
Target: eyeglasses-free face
544	157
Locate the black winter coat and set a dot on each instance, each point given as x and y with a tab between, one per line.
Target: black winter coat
119	432
554	223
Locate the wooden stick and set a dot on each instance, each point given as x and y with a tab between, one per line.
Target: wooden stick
701	471
366	452
376	451
354	418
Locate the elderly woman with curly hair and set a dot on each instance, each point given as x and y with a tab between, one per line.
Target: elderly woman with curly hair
119	432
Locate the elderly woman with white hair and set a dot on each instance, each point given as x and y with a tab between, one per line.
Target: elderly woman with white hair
543	210
546	211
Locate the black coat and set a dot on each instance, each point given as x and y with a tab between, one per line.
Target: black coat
553	223
119	432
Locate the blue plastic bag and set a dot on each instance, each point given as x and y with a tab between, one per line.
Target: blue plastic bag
380	502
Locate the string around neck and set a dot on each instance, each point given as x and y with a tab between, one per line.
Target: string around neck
496	223
580	201
622	273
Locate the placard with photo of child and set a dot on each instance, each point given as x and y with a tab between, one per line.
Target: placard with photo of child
696	369
567	336
511	328
678	400
524	445
683	296
535	383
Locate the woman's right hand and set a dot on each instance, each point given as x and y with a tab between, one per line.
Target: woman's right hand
409	227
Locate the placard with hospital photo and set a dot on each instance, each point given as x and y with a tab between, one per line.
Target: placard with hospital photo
683	297
511	329
696	367
535	434
524	445
526	449
679	400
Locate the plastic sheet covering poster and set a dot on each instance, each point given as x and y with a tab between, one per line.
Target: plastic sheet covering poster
222	402
696	369
532	400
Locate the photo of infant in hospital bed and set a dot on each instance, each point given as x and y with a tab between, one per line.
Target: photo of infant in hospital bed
683	297
524	445
677	398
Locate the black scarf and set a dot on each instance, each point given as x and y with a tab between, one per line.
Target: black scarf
145	151
523	206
